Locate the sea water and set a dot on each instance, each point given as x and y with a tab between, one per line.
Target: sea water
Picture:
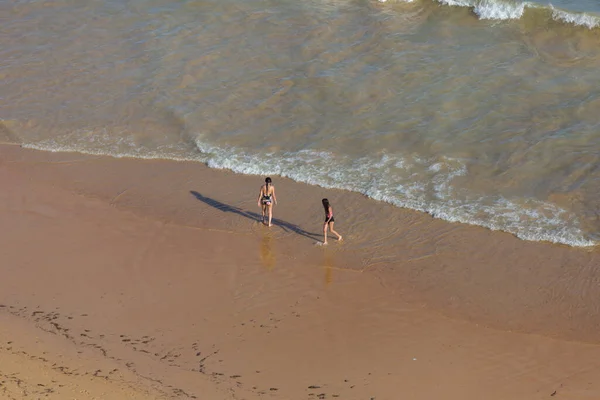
484	112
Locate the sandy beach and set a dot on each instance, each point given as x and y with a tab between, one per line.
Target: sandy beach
150	279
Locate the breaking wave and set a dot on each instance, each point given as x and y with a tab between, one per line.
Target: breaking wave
409	181
507	10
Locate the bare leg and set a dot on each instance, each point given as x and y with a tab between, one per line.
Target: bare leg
337	234
325	225
270	206
264	211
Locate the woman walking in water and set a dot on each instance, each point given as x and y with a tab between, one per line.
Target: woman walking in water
266	197
329	220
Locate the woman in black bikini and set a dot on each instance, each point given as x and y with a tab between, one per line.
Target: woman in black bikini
329	220
266	197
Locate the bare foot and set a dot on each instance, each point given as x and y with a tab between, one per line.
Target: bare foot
324	243
340	239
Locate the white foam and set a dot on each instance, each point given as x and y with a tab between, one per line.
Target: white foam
490	9
583	19
123	148
508	10
527	219
457	3
393	178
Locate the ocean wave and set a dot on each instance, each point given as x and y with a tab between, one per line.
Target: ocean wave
389	178
507	10
408	181
580	19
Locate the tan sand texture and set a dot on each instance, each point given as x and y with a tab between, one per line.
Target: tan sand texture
154	279
36	364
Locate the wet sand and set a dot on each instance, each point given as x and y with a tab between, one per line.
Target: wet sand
153	279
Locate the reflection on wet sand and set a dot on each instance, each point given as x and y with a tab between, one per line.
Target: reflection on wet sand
328	265
266	251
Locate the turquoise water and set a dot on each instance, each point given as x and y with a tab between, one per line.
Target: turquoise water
482	112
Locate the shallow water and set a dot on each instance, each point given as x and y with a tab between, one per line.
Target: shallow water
484	113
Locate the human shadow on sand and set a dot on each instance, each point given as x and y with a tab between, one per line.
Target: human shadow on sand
286	226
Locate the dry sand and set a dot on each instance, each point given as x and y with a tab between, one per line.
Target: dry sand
153	280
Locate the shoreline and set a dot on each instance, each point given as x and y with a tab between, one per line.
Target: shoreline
160	268
526	233
459	270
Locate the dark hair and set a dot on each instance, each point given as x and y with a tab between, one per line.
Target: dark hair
267	181
325	205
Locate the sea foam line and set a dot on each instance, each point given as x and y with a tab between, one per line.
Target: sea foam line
507	10
373	177
546	221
